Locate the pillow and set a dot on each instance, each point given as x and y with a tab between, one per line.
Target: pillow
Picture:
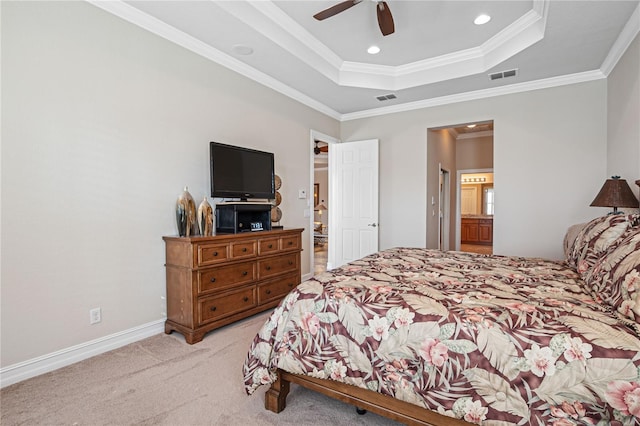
596	238
570	237
616	277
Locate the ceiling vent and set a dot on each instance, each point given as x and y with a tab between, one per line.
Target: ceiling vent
503	74
386	97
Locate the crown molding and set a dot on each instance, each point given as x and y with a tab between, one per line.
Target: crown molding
288	34
478	94
155	26
628	33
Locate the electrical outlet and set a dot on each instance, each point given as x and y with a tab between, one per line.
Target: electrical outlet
95	315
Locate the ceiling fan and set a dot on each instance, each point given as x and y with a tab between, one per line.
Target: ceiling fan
320	149
385	19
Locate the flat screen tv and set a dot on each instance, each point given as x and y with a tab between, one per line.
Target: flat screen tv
238	172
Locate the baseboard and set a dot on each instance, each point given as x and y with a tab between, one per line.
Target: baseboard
43	364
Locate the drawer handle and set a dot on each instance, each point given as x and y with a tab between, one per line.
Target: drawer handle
270	245
244	249
244	273
268	291
290	284
290	243
246	299
291	262
213	308
213	279
268	268
215	254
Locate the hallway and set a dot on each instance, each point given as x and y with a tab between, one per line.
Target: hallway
320	252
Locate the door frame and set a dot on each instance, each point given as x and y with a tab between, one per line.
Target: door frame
314	136
444	208
459	174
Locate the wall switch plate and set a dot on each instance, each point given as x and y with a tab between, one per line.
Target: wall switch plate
302	193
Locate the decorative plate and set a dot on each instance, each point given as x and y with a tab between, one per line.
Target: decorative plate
278	198
278	182
276	214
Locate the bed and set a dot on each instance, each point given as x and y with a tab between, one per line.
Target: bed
450	338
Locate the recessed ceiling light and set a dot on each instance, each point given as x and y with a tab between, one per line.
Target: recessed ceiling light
372	50
482	19
241	49
471	126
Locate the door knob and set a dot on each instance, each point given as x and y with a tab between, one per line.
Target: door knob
373	225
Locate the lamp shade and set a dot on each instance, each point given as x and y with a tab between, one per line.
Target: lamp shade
320	208
615	193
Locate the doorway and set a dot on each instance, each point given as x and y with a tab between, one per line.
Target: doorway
451	150
319	202
320	206
477	204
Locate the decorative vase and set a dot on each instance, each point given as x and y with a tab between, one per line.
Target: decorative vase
205	218
186	214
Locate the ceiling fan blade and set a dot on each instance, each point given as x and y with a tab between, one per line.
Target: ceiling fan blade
385	19
334	10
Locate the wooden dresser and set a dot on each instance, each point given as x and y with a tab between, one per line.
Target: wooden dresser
214	281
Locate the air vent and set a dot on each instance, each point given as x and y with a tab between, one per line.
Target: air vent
503	74
386	97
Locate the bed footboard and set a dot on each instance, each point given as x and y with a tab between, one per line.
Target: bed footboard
404	412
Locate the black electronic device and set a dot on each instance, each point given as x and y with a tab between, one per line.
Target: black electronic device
233	218
238	172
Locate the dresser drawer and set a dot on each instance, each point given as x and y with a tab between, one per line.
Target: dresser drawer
243	249
223	277
278	265
268	245
215	307
290	243
277	289
210	254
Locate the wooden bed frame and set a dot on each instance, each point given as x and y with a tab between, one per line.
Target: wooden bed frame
401	411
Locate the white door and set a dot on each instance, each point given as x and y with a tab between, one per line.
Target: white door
353	179
469	198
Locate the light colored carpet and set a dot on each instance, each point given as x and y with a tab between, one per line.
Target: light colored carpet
164	381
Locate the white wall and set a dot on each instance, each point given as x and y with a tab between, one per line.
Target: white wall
103	124
623	116
474	153
549	147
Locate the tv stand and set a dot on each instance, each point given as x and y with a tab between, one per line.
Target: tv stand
237	217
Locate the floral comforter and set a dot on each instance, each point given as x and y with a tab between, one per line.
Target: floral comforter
484	338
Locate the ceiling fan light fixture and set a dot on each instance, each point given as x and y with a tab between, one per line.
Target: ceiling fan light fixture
482	19
373	50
